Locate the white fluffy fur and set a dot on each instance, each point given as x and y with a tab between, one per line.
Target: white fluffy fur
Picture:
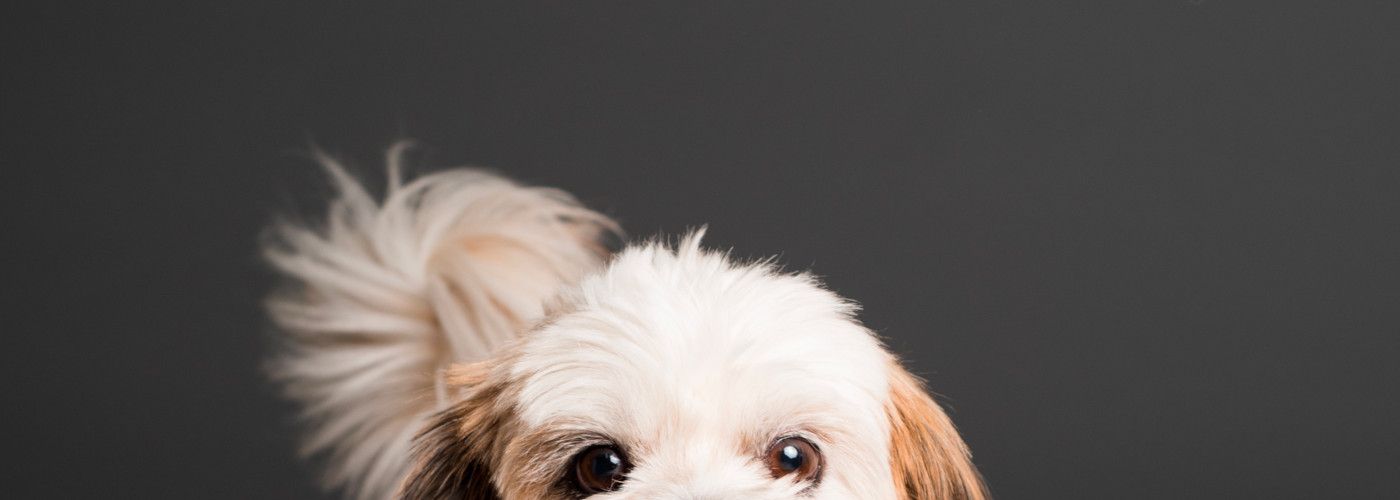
444	269
686	356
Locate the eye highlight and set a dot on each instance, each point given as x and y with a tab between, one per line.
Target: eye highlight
600	469
794	456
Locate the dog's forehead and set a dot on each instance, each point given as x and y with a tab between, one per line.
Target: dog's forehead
665	340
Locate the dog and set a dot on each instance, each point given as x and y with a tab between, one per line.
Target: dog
464	336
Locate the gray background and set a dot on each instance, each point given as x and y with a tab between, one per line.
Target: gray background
1143	249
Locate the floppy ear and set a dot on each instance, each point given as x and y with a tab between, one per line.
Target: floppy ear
929	459
454	456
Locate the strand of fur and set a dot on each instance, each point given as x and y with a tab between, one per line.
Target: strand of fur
445	269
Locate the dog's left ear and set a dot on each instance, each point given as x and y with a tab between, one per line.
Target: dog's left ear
929	459
454	456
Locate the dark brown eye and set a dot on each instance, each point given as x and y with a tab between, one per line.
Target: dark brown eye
794	456
599	469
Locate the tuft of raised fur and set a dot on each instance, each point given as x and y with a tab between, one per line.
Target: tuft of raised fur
388	293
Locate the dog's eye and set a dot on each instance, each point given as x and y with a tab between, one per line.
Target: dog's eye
599	469
794	455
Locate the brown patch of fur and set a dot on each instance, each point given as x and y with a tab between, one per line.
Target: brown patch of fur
475	450
454	455
540	463
928	458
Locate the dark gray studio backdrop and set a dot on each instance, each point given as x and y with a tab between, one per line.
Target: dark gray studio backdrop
1143	249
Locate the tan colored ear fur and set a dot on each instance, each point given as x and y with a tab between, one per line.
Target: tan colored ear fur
454	456
929	459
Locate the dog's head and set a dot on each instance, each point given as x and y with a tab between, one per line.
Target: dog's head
680	375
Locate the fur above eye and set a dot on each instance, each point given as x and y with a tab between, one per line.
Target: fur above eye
600	469
794	456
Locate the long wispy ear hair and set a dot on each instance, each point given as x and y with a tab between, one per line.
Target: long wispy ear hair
386	293
929	460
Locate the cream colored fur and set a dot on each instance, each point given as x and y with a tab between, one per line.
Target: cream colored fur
386	293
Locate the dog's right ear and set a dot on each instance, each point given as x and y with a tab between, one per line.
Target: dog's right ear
454	456
929	460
